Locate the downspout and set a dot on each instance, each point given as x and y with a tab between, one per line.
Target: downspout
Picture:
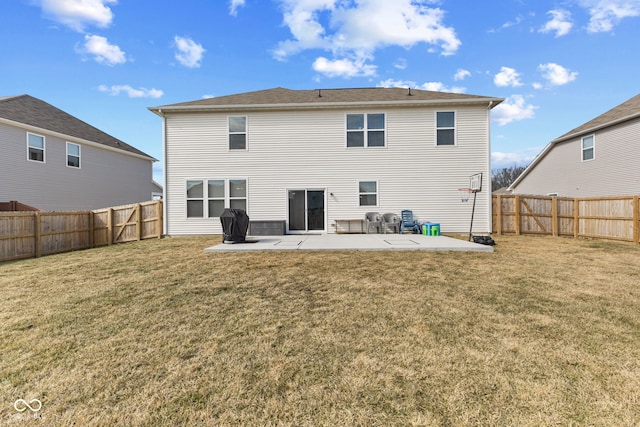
164	172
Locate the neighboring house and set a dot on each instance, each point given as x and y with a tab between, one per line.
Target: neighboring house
56	162
310	157
599	158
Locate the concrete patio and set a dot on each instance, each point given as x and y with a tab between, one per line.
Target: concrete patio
355	242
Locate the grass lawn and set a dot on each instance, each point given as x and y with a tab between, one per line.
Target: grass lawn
545	331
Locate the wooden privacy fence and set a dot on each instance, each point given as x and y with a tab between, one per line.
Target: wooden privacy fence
614	218
34	234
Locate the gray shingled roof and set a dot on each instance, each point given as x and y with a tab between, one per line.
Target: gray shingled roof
32	111
318	97
625	111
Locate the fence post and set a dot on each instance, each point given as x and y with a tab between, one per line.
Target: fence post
499	215
138	222
92	231
36	228
636	219
110	226
160	217
576	218
554	216
516	212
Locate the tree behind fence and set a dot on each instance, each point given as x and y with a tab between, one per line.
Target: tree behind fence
614	218
34	234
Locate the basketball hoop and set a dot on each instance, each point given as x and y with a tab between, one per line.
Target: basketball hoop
465	193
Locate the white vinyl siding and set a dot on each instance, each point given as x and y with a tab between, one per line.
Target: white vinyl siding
614	173
306	149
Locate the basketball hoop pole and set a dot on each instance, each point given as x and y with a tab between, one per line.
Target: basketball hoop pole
473	211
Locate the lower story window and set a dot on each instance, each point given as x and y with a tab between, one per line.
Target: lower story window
368	193
208	198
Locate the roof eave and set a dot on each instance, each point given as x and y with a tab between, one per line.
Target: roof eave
492	102
596	128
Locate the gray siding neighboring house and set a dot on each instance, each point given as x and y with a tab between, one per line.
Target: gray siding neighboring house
598	158
310	157
53	161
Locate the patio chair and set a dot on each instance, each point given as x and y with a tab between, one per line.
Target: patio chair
391	221
407	222
372	219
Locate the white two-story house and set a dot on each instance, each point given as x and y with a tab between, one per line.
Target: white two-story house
54	161
307	158
598	158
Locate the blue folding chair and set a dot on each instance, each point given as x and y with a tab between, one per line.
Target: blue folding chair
407	222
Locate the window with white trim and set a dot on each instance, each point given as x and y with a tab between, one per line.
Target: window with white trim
445	128
368	191
237	133
73	155
218	195
35	147
588	146
366	130
195	199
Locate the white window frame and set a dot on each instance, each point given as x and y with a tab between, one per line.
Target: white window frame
365	130
455	133
583	150
205	196
364	193
43	149
245	133
79	156
188	199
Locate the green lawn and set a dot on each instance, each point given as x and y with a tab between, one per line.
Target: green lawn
545	331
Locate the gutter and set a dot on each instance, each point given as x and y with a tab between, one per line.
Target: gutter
317	105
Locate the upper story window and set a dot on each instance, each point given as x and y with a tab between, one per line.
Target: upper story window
445	128
368	191
73	155
365	130
35	147
238	133
588	146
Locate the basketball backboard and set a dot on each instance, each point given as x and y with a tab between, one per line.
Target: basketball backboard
475	182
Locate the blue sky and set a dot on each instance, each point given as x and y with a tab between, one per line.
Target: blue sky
558	63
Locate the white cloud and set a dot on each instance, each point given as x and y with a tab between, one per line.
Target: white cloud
605	14
433	86
560	23
343	67
131	92
189	53
514	108
556	74
356	29
461	74
77	14
507	77
400	64
234	5
102	51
